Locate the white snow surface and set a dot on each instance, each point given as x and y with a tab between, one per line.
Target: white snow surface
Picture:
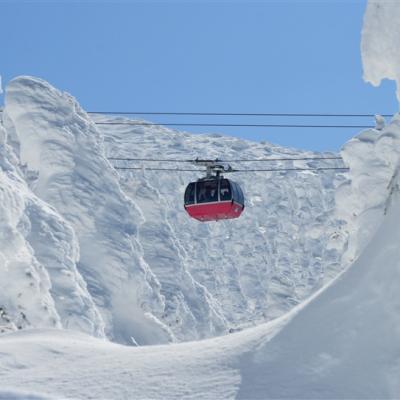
219	277
379	42
342	342
38	282
15	394
62	149
140	270
115	256
373	158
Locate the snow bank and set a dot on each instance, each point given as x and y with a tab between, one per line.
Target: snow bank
380	42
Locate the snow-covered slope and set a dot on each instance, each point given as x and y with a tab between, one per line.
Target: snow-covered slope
341	343
62	148
287	243
153	274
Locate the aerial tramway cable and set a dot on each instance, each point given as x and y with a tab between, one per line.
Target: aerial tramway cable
237	125
214	197
234	170
134	123
240	114
215	163
227	160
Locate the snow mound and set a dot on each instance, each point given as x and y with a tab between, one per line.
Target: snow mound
379	43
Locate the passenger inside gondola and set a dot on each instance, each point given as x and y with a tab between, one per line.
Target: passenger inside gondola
201	193
207	191
213	195
212	191
225	190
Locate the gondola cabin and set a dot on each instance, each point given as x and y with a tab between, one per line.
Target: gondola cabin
213	199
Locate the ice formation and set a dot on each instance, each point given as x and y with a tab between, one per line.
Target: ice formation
379	42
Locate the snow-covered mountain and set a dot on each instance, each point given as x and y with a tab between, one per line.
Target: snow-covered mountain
91	255
148	273
342	342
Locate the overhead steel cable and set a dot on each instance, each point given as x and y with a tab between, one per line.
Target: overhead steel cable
225	160
234	125
228	114
239	114
159	169
148	159
133	123
292	169
235	170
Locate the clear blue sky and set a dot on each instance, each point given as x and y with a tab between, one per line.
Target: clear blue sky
239	56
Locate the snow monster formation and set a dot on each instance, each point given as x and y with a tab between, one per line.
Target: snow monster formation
119	256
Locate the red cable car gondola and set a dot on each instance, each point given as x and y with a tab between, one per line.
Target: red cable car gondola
214	197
